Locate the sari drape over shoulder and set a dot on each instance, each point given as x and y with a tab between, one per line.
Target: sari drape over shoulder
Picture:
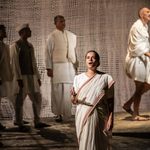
94	116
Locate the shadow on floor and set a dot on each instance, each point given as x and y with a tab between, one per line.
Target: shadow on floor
55	135
141	135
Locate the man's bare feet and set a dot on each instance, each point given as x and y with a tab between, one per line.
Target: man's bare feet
128	110
139	118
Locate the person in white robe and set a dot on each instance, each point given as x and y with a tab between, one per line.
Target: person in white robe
26	77
93	93
5	70
137	62
61	65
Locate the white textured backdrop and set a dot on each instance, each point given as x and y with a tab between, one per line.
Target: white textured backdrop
102	25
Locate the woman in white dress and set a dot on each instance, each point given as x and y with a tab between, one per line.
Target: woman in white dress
93	93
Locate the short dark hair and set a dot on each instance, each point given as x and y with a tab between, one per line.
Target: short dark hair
58	17
97	57
2	27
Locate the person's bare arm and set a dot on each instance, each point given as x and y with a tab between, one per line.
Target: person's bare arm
147	54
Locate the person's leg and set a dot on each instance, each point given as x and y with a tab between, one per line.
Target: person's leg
141	88
36	99
56	98
19	107
67	105
36	105
57	102
61	104
1	126
146	88
127	105
135	97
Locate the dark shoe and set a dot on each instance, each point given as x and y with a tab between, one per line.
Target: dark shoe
59	118
23	128
41	125
2	127
24	122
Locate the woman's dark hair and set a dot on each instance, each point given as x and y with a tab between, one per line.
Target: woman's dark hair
97	57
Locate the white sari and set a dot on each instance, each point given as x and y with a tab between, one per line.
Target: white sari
94	116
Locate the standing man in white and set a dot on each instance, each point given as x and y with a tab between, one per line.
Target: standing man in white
138	62
61	65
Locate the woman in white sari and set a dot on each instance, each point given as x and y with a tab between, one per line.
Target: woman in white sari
93	93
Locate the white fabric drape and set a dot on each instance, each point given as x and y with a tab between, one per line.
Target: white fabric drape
99	24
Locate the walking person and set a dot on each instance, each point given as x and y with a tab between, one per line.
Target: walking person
138	62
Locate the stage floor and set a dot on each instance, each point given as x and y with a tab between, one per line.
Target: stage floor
127	135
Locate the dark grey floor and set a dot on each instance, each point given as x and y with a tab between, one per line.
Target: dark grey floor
127	135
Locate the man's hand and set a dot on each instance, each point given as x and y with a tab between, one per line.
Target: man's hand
50	72
76	65
20	83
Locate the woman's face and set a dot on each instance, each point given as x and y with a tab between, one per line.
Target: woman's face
91	61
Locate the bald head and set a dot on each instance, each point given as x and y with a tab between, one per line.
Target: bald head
142	10
144	14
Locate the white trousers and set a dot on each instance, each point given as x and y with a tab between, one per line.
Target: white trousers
61	101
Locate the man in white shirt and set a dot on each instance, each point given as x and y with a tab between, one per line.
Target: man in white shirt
61	65
138	62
